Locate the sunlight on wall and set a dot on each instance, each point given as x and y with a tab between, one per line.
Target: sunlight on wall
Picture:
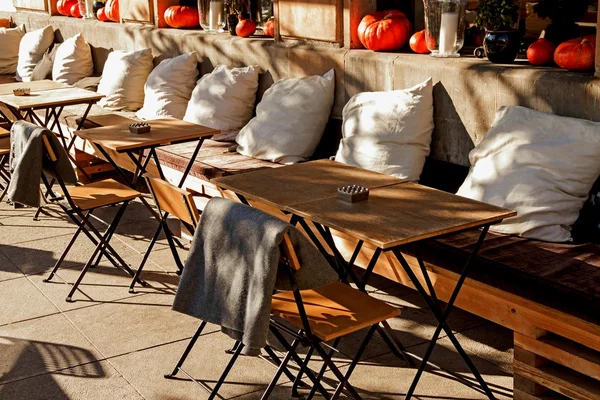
6	5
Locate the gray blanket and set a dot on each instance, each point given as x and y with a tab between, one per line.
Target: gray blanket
232	270
27	163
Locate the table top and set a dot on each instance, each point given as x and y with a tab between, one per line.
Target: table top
36	86
400	214
46	98
163	132
299	183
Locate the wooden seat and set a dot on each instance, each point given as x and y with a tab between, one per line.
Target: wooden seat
333	310
4	146
4	132
101	193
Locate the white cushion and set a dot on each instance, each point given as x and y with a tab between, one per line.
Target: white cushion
388	132
540	165
31	50
72	61
224	99
124	78
169	87
10	39
43	69
290	120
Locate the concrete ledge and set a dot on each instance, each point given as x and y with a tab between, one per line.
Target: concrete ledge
467	91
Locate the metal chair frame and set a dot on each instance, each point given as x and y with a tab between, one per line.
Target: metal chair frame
81	219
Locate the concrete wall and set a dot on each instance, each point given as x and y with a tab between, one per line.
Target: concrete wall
467	91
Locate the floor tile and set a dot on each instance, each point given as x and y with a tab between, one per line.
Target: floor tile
132	324
42	345
8	270
145	370
21	300
24	228
93	381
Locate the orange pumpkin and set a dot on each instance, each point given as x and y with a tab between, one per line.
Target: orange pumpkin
269	27
64	6
101	14
384	30
182	17
541	52
576	54
76	11
245	28
418	43
112	10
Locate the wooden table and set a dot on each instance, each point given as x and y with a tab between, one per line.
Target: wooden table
36	86
395	215
137	146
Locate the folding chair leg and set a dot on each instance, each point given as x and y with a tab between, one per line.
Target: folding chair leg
65	252
336	371
111	229
84	271
280	370
277	361
235	356
298	378
323	368
138	272
186	352
355	361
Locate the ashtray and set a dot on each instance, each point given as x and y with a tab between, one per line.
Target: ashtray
353	194
139	128
22	91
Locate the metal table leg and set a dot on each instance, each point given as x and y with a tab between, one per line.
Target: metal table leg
442	315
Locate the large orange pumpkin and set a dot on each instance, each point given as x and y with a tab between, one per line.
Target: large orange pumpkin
64	7
182	17
384	30
112	10
576	54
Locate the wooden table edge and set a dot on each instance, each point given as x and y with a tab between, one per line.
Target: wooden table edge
57	103
413	239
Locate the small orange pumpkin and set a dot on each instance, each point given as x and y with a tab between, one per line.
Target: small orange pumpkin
384	30
112	10
576	54
76	11
418	43
245	27
182	17
64	6
101	14
269	27
541	52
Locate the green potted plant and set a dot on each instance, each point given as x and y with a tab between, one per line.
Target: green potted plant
563	14
500	20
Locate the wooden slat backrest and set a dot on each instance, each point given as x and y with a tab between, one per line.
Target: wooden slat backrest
177	202
49	149
289	253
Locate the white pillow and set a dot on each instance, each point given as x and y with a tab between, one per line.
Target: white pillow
123	79
72	61
10	39
290	120
169	87
388	132
224	100
540	165
43	69
31	50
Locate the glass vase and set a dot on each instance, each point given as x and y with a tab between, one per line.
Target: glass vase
212	15
445	26
88	11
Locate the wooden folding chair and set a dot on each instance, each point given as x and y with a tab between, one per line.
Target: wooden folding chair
79	203
170	200
320	315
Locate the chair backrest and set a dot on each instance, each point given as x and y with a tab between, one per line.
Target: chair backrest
49	151
288	252
176	201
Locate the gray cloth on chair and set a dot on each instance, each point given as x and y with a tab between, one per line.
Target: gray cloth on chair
232	270
27	163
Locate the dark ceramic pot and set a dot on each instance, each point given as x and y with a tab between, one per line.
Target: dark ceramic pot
502	47
232	21
98	5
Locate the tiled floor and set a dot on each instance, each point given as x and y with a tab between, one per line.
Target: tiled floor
109	344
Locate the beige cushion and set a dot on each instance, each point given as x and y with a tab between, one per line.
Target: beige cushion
388	132
72	61
169	87
540	165
43	69
9	49
123	79
31	50
224	99
290	120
